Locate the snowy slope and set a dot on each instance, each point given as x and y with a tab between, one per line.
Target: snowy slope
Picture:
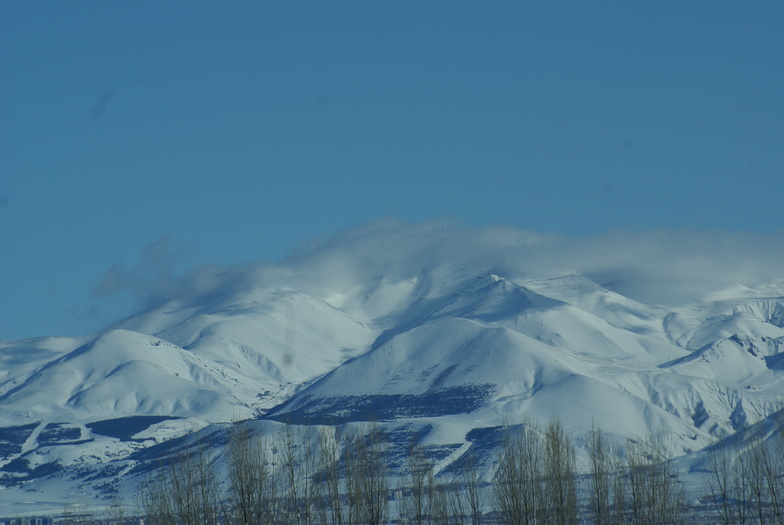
498	347
122	373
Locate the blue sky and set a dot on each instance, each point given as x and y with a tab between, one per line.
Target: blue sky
139	135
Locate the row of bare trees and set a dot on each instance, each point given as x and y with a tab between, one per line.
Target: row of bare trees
299	480
425	498
342	477
336	478
747	485
536	482
185	491
638	485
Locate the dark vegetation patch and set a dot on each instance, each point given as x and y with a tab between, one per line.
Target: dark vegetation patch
8	449
700	415
484	443
22	466
442	377
57	433
70	443
775	362
384	407
397	443
107	470
125	428
12	439
399	440
17	465
150	458
160	450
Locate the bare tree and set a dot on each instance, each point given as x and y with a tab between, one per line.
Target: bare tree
338	505
740	487
457	502
474	495
366	470
78	510
764	467
517	489
756	456
437	503
115	513
619	488
601	484
560	495
778	470
636	465
299	466
728	485
719	484
774	469
252	480
670	497
184	491
748	486
656	496
412	508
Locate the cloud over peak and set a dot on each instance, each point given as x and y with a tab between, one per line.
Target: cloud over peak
662	266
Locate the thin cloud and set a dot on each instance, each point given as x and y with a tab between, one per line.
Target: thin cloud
153	279
662	266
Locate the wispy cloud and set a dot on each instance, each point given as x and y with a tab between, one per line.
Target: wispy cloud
663	266
395	248
152	279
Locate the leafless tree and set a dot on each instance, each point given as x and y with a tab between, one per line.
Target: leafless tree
601	482
475	497
764	466
517	490
184	491
656	496
728	485
437	503
747	486
559	492
740	487
778	451
115	512
757	456
299	467
457	502
78	510
619	488
719	483
774	470
413	507
366	473
636	465
252	479
329	486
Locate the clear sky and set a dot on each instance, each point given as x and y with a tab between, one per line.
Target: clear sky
205	132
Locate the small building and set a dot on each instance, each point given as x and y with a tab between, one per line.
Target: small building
35	520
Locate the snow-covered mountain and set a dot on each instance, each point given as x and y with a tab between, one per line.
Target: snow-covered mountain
404	325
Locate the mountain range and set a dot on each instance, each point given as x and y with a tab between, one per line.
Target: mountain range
449	334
